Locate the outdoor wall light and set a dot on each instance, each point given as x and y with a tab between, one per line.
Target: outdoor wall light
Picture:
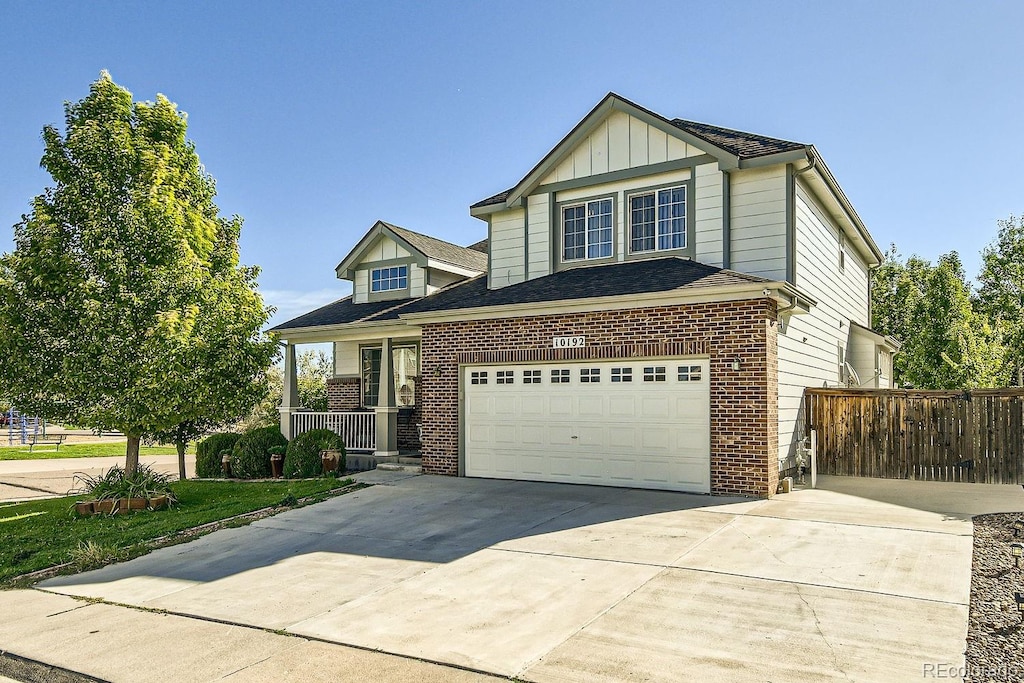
1018	526
1019	599
736	364
1017	550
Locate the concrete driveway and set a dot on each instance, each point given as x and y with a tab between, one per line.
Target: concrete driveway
553	582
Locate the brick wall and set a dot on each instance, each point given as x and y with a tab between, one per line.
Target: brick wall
744	402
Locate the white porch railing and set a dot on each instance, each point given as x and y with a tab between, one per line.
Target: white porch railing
358	430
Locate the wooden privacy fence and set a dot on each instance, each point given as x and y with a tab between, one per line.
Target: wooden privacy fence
975	436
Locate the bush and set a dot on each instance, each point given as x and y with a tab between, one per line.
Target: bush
208	453
303	456
250	458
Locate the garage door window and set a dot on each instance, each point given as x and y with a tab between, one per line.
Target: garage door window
559	376
531	376
591	375
476	377
506	377
654	373
689	373
622	374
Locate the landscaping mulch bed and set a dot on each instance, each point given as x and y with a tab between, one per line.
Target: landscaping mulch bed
995	631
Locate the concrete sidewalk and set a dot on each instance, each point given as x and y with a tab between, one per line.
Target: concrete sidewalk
114	643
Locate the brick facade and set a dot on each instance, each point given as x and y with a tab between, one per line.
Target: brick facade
343	394
744	402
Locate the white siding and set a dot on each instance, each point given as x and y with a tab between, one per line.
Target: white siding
508	249
808	350
539	236
346	359
758	222
708	215
619	142
360	286
436	279
417	281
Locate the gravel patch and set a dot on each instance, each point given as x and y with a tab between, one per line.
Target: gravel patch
995	633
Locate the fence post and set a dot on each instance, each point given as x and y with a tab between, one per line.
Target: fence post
814	458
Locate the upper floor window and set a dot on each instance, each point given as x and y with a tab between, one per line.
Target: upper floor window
657	220
587	230
387	279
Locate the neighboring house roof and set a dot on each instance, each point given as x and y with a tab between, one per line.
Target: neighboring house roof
480	246
617	279
423	247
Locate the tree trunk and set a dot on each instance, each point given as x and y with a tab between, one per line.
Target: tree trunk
180	445
1020	375
132	459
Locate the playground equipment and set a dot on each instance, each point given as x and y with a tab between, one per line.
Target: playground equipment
22	426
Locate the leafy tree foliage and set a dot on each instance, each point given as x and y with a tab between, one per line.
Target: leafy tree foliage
123	304
947	344
1001	291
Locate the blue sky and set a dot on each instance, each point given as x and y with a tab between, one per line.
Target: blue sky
317	119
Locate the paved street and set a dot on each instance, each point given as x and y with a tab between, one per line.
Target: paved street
29	479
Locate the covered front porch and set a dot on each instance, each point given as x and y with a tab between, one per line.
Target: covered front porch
378	421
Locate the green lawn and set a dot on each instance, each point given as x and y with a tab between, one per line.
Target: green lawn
44	533
81	450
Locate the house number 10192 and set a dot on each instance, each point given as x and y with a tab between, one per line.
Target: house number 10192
569	342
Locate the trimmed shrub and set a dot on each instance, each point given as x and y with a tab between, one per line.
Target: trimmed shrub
303	456
250	458
209	450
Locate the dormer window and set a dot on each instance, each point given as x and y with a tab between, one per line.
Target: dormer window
587	230
657	220
389	279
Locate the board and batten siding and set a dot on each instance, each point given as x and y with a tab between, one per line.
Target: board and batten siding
809	348
508	248
620	142
758	222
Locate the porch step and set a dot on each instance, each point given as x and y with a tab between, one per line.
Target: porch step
400	467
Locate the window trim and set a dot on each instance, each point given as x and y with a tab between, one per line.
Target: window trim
394	345
388	294
689	232
560	262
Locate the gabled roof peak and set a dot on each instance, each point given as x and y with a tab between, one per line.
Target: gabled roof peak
423	247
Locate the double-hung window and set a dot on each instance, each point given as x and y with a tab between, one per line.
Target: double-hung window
587	230
657	220
405	359
388	279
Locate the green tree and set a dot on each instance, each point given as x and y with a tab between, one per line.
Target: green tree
1001	291
947	344
123	304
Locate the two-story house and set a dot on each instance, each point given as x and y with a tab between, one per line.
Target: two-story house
650	302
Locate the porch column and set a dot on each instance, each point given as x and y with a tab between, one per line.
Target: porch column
387	409
290	395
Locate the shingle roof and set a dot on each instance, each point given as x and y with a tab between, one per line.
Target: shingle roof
744	145
337	313
496	199
480	246
618	279
431	247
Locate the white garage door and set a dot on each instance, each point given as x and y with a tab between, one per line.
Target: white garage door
636	423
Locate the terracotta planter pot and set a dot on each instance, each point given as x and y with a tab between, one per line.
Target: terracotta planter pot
330	460
84	508
158	502
103	507
276	466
